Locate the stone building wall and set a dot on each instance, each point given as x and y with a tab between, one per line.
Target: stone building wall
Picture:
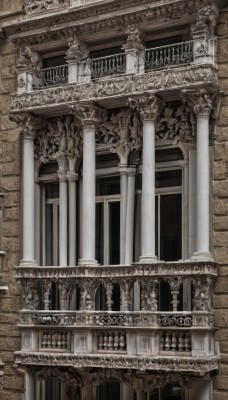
10	166
221	211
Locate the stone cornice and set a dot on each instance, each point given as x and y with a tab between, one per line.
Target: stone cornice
120	87
135	270
182	364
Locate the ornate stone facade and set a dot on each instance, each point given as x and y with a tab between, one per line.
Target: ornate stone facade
85	320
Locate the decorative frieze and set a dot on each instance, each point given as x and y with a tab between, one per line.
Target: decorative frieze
177	78
199	365
34	7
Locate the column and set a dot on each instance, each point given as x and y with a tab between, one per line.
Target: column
29	385
88	114
123	210
148	107
130	216
202	103
28	197
62	213
72	182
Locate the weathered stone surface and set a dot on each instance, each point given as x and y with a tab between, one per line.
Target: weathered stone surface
220	170
221	285
220	223
221	301
220	207
219	151
221	188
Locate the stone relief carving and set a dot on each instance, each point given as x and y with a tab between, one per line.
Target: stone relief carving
206	19
121	132
198	365
176	124
201	100
30	58
159	80
30	296
134	39
77	51
37	6
70	377
28	124
62	137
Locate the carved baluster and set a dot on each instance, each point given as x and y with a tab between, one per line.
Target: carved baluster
44	340
174	287
181	342
47	288
59	340
110	341
68	340
49	339
167	341
100	341
187	342
105	341
174	342
122	341
54	340
162	341
116	340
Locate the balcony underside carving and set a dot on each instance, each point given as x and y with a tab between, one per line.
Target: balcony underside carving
116	88
137	270
184	364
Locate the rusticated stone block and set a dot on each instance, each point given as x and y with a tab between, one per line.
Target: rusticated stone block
220	207
220	395
221	301
223	116
221	285
11	344
222	71
221	223
221	188
10	396
221	382
220	170
10	183
11	229
221	318
221	254
219	151
7	305
221	239
12	213
222	50
6	124
16	383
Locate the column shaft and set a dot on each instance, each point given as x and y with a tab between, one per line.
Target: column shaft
28	200
123	211
130	217
63	221
88	195
148	193
72	220
203	189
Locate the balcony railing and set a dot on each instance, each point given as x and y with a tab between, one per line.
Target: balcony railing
50	77
168	56
108	66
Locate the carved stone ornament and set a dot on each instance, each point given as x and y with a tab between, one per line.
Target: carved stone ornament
29	58
177	124
121	132
206	19
201	100
77	51
37	6
134	39
70	377
88	114
178	78
30	296
61	137
28	124
148	106
199	365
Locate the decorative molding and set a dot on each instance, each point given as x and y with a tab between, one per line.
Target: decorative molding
34	7
176	78
201	100
197	365
60	137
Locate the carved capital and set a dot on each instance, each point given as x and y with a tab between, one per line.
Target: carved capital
148	106
199	100
28	124
88	114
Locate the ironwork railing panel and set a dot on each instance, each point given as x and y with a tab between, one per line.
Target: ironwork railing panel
108	66
168	56
50	77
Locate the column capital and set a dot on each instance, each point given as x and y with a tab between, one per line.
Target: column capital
201	101
62	175
28	124
88	114
147	105
72	176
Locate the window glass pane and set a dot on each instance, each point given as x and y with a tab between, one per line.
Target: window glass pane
170	227
106	52
49	234
171	392
114	232
164	41
52	191
100	233
172	154
107	186
168	178
54	61
108	391
155	395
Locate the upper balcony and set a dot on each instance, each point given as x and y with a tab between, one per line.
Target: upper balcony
92	333
172	67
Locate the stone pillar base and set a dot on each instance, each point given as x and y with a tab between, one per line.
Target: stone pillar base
148	259
87	262
202	256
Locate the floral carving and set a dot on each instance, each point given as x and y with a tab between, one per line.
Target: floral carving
177	124
61	137
37	6
201	100
148	106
